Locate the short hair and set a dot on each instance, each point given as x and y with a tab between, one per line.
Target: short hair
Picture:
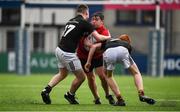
82	8
99	14
125	37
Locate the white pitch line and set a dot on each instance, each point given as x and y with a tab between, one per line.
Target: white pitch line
173	100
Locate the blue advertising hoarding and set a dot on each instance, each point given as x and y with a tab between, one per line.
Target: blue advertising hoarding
171	64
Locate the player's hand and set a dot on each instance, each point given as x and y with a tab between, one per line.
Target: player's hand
87	66
87	42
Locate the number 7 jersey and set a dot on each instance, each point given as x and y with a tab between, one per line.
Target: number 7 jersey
73	32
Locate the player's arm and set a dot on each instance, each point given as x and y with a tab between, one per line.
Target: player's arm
100	37
92	50
88	27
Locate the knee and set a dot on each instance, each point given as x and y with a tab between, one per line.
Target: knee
102	77
82	78
109	75
91	80
80	75
90	77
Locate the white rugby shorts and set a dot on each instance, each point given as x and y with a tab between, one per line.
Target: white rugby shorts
115	55
68	60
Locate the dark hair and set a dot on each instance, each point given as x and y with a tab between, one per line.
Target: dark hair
99	14
82	8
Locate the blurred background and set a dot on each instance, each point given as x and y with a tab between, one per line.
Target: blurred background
30	30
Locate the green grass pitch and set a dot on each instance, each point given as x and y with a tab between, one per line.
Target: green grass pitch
22	93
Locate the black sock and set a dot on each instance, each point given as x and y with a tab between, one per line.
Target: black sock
72	94
48	89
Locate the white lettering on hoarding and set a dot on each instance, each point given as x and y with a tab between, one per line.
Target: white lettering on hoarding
44	62
169	64
172	64
34	62
178	64
53	63
11	61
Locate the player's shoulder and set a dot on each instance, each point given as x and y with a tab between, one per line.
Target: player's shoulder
78	19
103	31
106	32
81	19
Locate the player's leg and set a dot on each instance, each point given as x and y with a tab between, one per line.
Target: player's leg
53	82
73	64
102	76
91	81
55	79
110	57
137	78
93	87
114	87
79	79
129	63
139	84
63	72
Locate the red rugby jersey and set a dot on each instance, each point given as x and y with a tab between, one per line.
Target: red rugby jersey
82	53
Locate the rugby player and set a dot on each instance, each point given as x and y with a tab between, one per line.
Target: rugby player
118	51
97	61
65	53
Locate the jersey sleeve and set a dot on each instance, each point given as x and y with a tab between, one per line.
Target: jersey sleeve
106	33
88	27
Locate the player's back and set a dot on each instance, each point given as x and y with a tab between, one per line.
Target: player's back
114	42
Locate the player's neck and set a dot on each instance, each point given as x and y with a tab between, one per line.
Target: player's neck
81	15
